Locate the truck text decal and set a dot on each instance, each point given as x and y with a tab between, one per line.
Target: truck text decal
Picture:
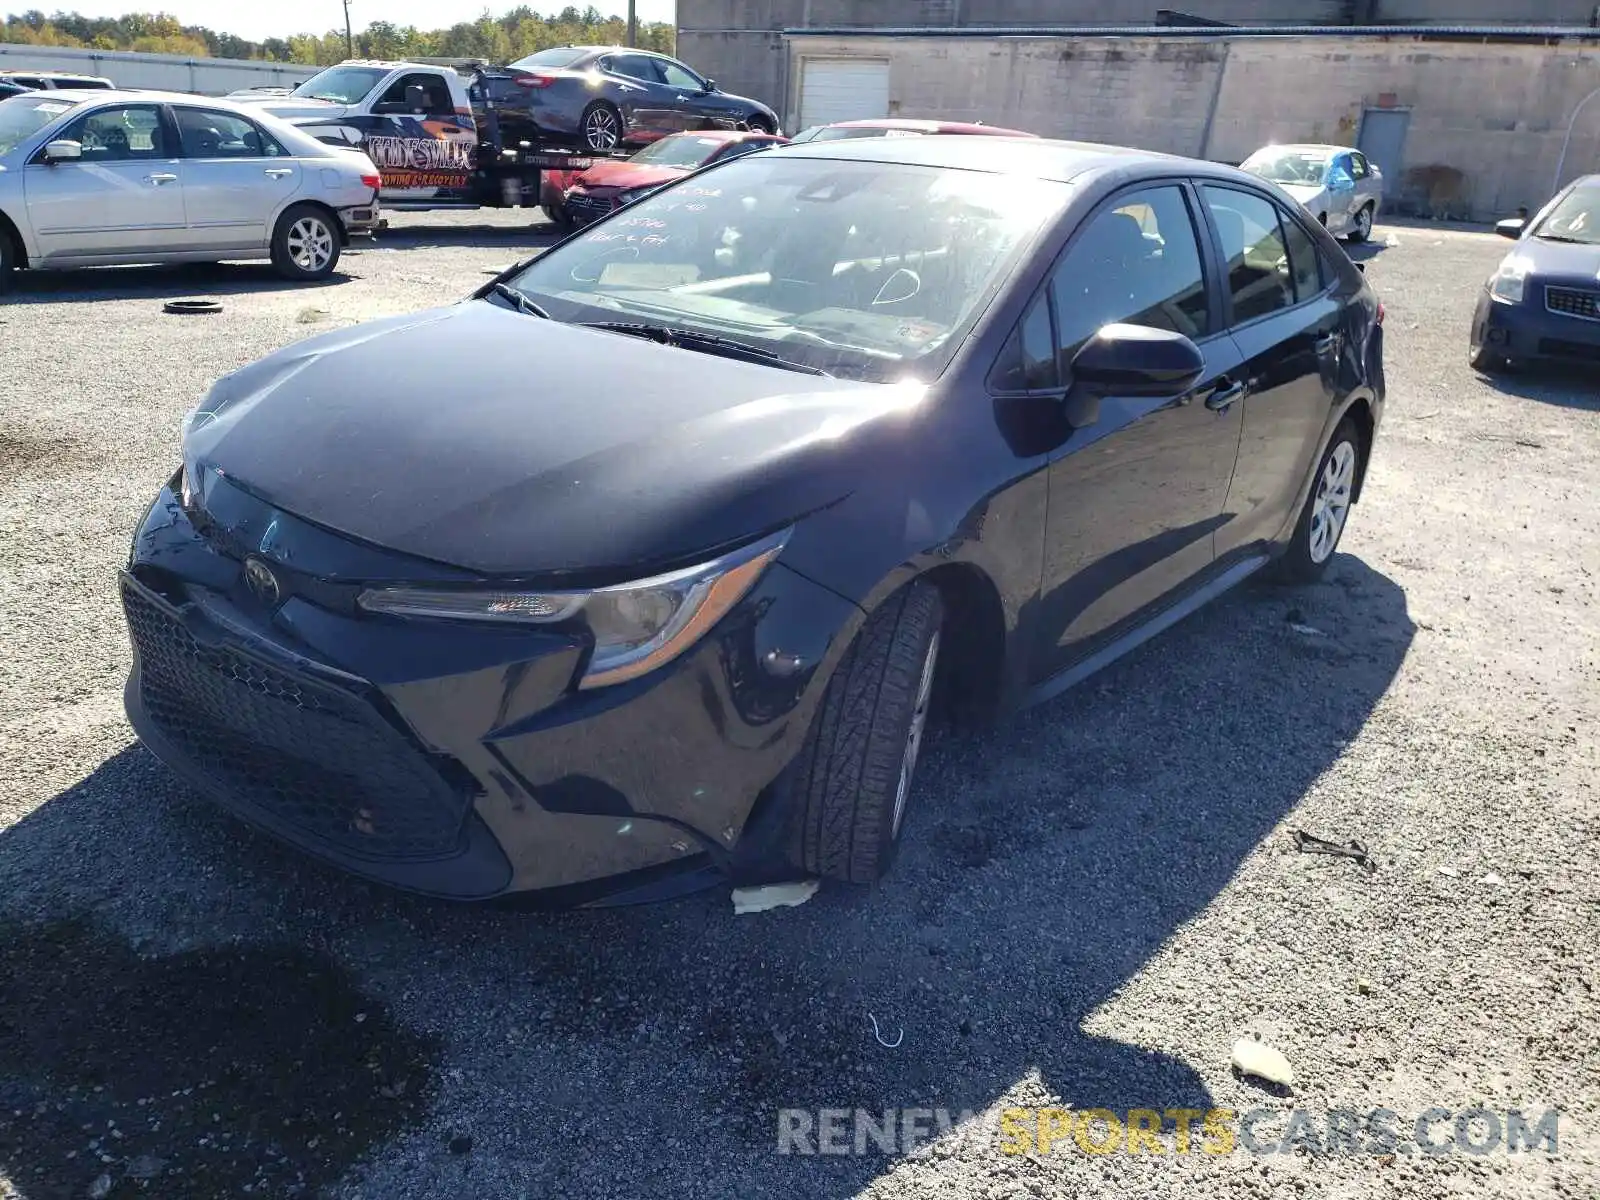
419	154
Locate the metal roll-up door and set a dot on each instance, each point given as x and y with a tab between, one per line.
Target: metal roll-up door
843	89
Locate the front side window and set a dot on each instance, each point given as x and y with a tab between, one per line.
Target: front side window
1259	278
206	133
121	134
435	94
1139	263
1575	218
679	76
867	270
341	85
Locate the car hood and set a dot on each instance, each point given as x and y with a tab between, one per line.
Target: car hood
1561	259
292	108
504	444
1305	193
628	175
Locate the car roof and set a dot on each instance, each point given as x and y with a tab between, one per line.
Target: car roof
929	126
1042	158
1305	146
14	71
725	135
132	95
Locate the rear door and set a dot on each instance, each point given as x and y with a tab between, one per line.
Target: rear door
1285	317
1134	498
123	197
236	179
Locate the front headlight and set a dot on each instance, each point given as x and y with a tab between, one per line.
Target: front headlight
636	627
1510	282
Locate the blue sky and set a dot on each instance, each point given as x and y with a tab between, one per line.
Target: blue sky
280	18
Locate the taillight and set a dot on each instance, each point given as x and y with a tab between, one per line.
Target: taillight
376	181
1380	312
533	81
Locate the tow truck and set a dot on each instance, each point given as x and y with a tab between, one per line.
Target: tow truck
440	131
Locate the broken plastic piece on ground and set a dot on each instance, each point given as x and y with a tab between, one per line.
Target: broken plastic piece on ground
898	1037
773	895
1261	1060
1307	844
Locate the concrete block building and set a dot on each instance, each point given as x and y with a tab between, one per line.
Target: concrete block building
1465	104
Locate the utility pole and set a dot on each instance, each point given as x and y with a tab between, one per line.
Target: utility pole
349	35
633	23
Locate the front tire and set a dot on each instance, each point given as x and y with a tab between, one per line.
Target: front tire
1327	509
602	127
852	780
1362	229
306	243
757	123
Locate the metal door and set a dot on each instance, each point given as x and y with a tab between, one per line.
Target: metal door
1383	140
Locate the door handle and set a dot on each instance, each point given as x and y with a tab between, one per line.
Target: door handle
158	180
279	172
1225	395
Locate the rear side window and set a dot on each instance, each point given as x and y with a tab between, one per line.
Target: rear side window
635	66
1138	263
1302	254
1259	277
1358	166
207	133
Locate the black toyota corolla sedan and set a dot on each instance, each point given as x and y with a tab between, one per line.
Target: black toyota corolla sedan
643	567
1542	304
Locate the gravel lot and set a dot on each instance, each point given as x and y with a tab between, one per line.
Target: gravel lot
1095	900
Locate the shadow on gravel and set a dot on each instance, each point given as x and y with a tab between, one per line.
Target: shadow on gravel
218	280
648	1051
1563	386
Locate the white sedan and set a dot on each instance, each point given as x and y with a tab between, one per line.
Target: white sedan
106	178
1338	186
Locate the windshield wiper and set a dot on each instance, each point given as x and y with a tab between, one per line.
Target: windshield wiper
1561	237
519	300
708	343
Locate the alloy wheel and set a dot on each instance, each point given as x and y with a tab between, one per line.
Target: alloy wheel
919	723
601	130
310	244
1364	223
1331	505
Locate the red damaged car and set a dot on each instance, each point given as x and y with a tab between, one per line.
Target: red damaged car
572	198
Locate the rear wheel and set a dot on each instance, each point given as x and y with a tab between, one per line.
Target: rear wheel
602	127
305	246
852	781
1322	521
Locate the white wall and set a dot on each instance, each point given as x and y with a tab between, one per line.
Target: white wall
163	72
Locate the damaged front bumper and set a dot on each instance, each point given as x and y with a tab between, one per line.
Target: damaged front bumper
457	760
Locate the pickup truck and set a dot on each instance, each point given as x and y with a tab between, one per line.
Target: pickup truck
443	134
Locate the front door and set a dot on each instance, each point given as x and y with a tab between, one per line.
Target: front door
656	108
1136	497
124	197
1286	323
695	100
236	178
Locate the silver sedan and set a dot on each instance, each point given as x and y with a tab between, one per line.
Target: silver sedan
105	178
1338	186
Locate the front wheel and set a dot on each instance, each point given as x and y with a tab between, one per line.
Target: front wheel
759	124
1362	229
1489	362
1322	521
602	127
852	780
305	246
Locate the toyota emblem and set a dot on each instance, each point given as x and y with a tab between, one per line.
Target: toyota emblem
263	584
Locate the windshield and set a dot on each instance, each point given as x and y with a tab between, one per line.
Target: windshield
865	270
344	85
24	115
557	56
679	150
1575	219
1289	166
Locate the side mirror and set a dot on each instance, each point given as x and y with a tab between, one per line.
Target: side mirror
64	150
1511	227
1130	360
417	98
711	85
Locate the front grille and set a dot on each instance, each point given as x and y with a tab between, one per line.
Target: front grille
1556	348
1573	302
299	751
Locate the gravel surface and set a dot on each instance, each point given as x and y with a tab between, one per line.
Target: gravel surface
1095	901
